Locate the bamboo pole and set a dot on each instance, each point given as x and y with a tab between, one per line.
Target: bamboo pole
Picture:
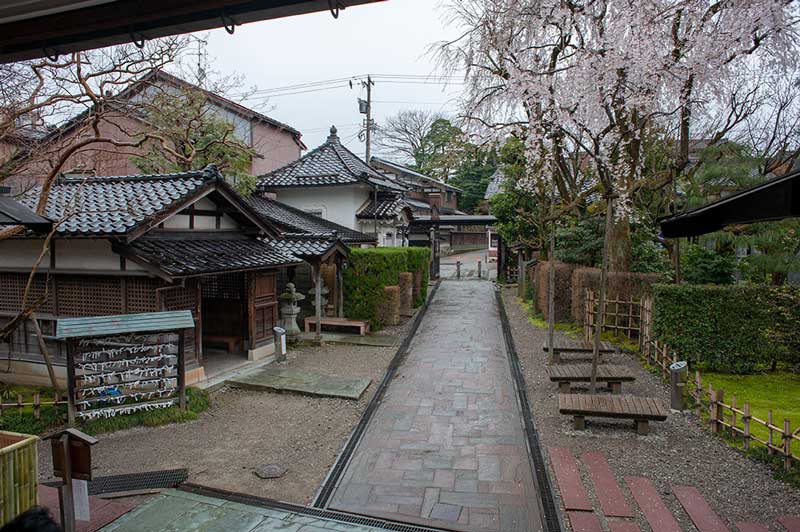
598	320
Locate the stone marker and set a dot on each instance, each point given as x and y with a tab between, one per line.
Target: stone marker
270	471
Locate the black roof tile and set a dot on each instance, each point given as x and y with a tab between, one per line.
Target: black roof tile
182	254
294	220
330	164
387	207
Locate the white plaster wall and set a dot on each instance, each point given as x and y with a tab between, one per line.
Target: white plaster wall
338	204
85	254
177	221
21	253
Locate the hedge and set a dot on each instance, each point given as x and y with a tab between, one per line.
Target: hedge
733	329
369	270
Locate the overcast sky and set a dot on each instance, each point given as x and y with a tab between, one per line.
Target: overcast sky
386	38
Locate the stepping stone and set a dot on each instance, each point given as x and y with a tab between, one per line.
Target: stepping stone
790	523
303	382
584	522
270	471
752	527
654	510
623	526
573	495
703	517
608	492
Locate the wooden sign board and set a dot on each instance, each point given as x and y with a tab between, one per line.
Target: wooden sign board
80	459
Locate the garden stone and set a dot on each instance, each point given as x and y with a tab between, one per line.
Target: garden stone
268	471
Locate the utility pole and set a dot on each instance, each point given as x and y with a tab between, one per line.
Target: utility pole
369	83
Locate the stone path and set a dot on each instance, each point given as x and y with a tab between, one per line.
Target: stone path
180	511
446	447
304	382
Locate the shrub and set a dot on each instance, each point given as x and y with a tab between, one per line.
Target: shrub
369	270
622	285
701	265
419	259
734	329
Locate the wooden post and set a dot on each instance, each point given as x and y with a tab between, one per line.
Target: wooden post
340	285
746	424
20	407
65	493
71	384
181	372
733	416
770	439
479	270
318	302
787	445
520	275
719	411
698	393
45	352
712	409
36	405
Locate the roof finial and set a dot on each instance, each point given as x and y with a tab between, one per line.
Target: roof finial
333	137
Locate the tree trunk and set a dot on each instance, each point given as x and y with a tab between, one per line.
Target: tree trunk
619	246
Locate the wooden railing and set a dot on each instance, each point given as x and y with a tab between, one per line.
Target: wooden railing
37	404
734	418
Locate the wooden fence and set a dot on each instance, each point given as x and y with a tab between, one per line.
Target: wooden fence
733	418
619	315
19	406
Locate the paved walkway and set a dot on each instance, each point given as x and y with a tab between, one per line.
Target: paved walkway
446	447
180	511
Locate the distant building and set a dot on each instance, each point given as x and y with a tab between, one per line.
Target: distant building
335	184
423	192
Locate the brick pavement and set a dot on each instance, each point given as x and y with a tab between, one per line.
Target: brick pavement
446	447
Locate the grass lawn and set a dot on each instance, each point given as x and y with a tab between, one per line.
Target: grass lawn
778	391
52	418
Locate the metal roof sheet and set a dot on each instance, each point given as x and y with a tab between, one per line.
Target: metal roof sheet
124	323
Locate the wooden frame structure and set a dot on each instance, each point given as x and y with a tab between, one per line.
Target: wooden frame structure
125	360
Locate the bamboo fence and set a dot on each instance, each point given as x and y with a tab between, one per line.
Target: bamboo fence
733	418
19	474
619	315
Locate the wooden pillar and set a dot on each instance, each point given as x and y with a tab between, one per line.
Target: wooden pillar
520	275
340	289
318	301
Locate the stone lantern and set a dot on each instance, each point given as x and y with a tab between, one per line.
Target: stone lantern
290	309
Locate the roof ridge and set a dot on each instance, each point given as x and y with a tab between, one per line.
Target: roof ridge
207	173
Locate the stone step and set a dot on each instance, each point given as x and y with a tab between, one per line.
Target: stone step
565	467
790	522
655	511
703	517
584	522
752	527
623	526
608	492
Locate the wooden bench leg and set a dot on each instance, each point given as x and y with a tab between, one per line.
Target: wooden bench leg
580	422
642	426
616	386
555	358
564	387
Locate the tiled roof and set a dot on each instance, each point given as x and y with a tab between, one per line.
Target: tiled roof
391	166
114	205
304	246
495	184
294	220
331	164
387	207
182	254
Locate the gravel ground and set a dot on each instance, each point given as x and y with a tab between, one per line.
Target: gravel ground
677	451
245	429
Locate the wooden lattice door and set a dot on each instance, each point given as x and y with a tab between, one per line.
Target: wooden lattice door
263	308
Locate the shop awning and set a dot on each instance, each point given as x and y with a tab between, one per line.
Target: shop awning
40	28
773	200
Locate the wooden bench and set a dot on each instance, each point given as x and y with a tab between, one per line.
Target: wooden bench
362	326
612	375
577	346
231	342
641	410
